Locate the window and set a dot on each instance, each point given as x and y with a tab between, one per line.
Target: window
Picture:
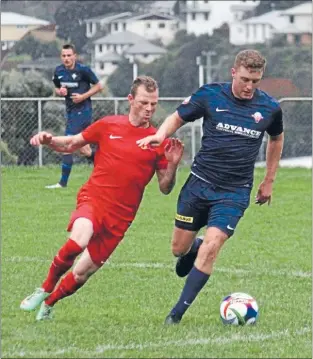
206	16
116	26
297	39
161	25
124	26
193	16
148	25
100	47
291	19
205	1
101	65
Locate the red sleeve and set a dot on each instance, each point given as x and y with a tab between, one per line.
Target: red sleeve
94	132
161	160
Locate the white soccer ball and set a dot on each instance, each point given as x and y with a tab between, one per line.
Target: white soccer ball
239	309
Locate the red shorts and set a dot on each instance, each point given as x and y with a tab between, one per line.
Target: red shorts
108	231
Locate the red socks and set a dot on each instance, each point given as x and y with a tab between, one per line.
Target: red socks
61	263
67	287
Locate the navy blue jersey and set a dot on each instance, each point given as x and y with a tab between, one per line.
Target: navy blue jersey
233	130
77	80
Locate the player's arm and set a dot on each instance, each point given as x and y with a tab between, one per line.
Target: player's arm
173	153
97	86
273	154
190	110
66	144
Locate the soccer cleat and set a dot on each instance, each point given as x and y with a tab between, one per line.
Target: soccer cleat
45	312
32	301
172	319
185	263
52	186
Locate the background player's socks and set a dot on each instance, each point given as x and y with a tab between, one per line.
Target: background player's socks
67	163
67	287
61	263
194	283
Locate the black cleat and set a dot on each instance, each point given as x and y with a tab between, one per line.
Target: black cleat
171	319
185	263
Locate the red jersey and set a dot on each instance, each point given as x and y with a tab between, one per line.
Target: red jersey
121	168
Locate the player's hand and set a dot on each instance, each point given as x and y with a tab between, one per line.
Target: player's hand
77	97
42	138
174	150
264	193
63	91
154	141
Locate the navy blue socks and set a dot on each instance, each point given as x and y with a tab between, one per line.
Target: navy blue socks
67	163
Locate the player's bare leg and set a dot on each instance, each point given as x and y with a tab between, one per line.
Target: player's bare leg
185	246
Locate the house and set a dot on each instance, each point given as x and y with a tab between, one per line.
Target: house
203	16
257	29
299	24
294	23
152	25
14	26
112	48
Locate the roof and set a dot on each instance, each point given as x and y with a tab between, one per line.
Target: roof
302	9
13	18
106	18
145	48
271	18
279	87
41	63
164	5
149	15
120	38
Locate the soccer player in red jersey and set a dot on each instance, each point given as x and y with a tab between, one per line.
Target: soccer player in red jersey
107	203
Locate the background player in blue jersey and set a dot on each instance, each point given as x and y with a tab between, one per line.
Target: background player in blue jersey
235	117
72	80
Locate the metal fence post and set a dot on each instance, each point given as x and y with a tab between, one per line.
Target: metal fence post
115	106
39	129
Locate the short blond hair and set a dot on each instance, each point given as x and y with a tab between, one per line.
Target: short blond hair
148	82
250	59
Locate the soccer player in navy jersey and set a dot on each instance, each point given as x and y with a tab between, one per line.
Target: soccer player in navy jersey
217	192
72	81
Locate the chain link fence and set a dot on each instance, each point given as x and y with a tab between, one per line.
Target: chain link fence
23	117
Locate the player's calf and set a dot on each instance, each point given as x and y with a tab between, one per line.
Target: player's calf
185	262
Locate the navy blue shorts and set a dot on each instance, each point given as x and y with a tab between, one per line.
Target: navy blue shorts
204	204
76	122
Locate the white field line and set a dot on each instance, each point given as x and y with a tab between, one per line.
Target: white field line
239	271
221	340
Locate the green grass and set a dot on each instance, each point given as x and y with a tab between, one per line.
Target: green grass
120	311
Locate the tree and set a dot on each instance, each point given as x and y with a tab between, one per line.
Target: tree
37	49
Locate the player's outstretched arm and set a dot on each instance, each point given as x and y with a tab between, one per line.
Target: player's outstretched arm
174	150
168	127
65	144
273	154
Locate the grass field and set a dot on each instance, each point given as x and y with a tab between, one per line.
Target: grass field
120	311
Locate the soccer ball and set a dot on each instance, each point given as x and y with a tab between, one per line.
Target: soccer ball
239	309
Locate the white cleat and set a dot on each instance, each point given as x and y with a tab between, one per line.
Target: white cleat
32	301
45	312
52	186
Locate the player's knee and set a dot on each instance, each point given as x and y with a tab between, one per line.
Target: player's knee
82	231
179	248
81	276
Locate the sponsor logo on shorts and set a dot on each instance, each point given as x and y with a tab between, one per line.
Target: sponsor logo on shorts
181	218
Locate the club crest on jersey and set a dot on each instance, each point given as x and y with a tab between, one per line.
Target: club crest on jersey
74	76
257	117
186	100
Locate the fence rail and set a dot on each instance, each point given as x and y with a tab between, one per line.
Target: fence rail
22	117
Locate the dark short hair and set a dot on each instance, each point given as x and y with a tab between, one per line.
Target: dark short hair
148	82
69	47
250	59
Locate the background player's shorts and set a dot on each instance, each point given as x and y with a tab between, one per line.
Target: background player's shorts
201	203
108	233
76	122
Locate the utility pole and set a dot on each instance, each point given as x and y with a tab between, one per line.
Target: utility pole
201	71
135	67
208	55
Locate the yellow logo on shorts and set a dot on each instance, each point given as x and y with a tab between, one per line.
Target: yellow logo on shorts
184	218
